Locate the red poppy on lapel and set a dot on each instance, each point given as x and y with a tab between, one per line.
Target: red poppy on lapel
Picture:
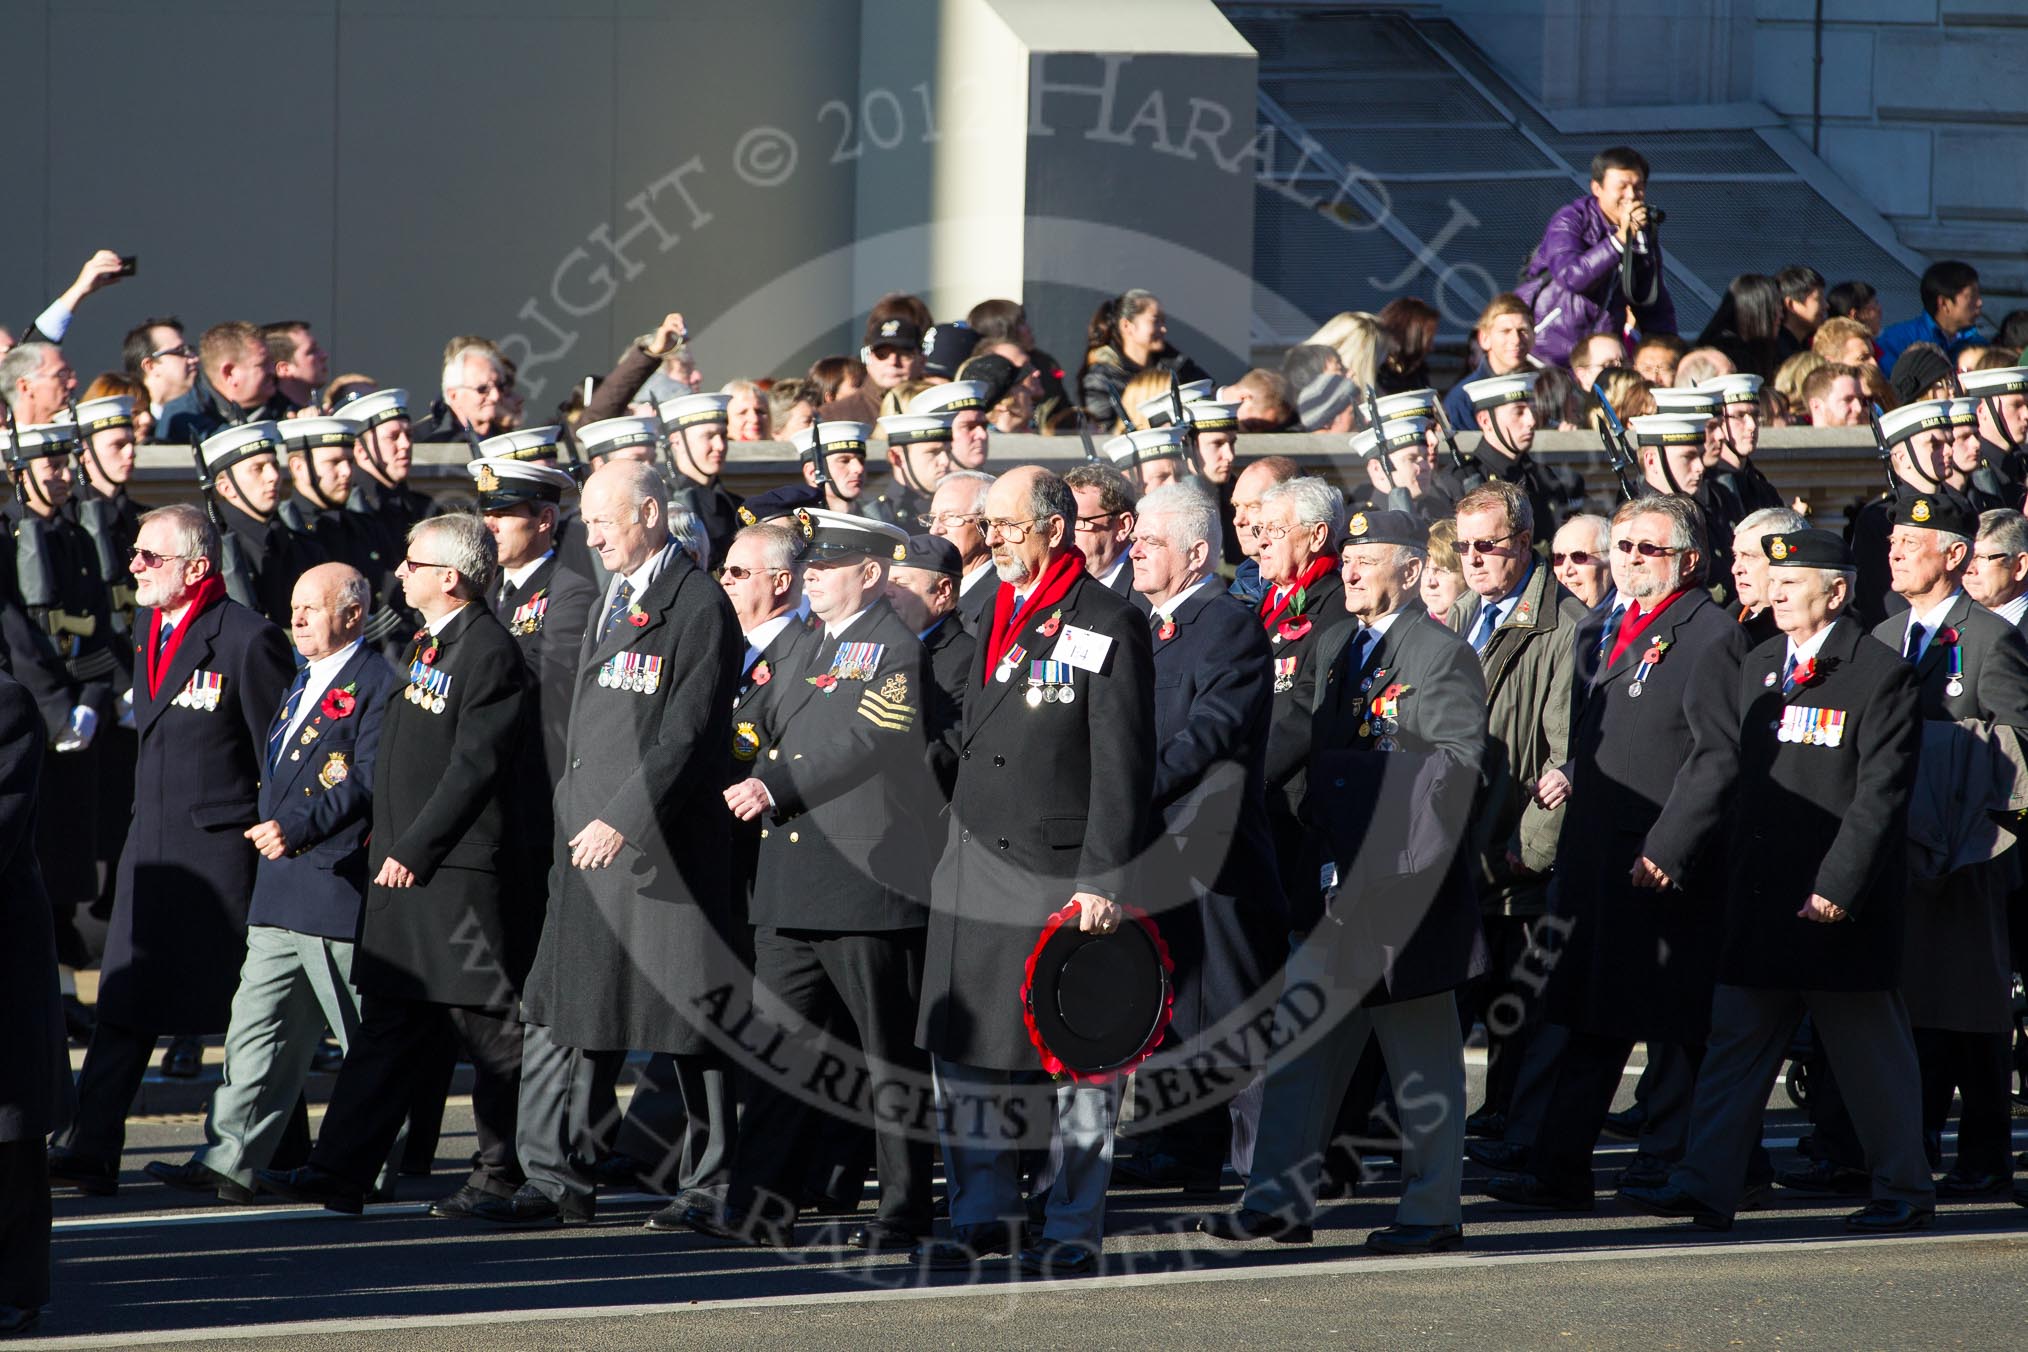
340	703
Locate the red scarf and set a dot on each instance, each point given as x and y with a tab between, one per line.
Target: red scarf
1054	585
209	590
1271	610
1636	620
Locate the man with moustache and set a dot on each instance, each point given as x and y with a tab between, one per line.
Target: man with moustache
1050	806
1647	787
1399	735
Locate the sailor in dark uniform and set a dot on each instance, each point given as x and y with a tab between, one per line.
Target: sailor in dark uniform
1739	396
839	467
540	446
965	403
918	458
1506	422
1149	456
697	424
384	454
2002	397
262	556
318	454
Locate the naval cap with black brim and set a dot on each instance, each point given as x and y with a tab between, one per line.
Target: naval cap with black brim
912	429
504	483
1143	445
777	503
527	443
838	438
307	434
376	407
1807	549
1494	391
1925	415
229	445
933	554
840	535
618	434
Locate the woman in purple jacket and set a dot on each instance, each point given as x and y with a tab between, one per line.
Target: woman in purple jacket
1573	281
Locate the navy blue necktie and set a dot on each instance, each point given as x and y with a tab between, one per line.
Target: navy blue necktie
280	736
623	597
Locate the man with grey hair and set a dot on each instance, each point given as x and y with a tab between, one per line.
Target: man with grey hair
444	932
309	887
1296	529
1998	575
208	677
1750	568
1399	737
475	391
956	512
638	936
1578	557
35	379
1215	895
1829	730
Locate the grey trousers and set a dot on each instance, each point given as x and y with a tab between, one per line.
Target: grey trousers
291	986
982	1160
1872	1052
1425	1055
554	1131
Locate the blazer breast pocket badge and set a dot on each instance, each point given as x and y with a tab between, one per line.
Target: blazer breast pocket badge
428	688
638	672
335	771
1805	726
203	692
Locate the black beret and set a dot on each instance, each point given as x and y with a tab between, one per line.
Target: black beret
1806	549
933	554
1385	528
1939	510
779	502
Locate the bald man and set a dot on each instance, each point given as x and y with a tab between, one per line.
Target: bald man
309	886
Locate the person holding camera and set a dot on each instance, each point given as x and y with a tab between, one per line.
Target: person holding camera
1598	268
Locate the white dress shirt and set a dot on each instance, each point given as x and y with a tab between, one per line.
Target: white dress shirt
322	672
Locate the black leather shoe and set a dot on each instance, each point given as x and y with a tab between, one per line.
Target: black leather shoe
329	1058
313	1184
17	1321
463	1204
1415	1239
2021	1194
966	1246
1823	1178
1245	1224
1526	1190
1487	1124
184	1059
1501	1155
1628	1125
78	1021
1955	1184
196	1176
1670	1200
882	1237
1882	1217
613	1171
1051	1258
1756	1197
90	1177
734	1227
1643	1171
530	1206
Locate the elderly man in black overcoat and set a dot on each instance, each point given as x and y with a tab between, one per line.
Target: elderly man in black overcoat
635	945
1397	742
447	929
1640	870
34	1073
1050	809
208	677
1830	728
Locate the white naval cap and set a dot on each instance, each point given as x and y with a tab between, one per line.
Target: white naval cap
525	443
617	434
909	429
952	397
229	445
1493	391
695	410
1925	415
1668	429
377	407
302	434
836	436
1143	445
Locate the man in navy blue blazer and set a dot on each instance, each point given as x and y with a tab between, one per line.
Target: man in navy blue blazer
316	795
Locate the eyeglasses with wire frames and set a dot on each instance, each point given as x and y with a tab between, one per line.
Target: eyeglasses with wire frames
1581	557
949	519
1495	546
1648	550
148	558
1013	532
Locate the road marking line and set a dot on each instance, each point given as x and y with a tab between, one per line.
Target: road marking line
1327	1268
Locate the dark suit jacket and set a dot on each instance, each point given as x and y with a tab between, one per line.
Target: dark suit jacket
1288	750
1051	799
461	935
186	875
845	849
35	1085
1212	884
1828	820
321	794
1653	775
273	556
975	607
1392	807
952	651
628	950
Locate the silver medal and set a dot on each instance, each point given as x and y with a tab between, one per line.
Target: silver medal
1954	687
1634	690
1068	695
1050	693
1034	697
1004	674
437	705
